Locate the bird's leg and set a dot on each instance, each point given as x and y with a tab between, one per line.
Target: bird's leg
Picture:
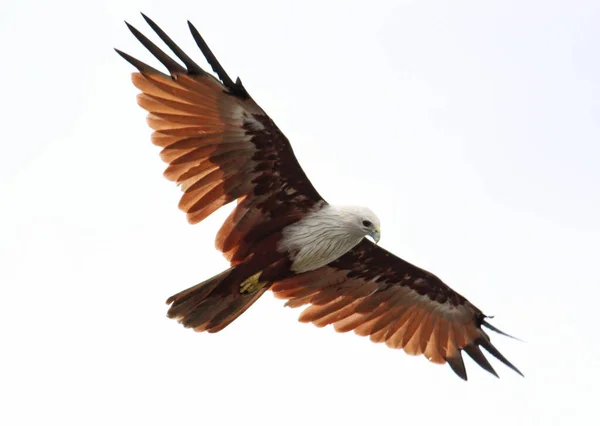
252	284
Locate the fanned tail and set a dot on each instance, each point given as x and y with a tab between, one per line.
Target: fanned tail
215	303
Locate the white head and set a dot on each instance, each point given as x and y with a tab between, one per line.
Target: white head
327	233
360	221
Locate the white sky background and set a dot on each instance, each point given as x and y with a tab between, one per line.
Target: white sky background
471	128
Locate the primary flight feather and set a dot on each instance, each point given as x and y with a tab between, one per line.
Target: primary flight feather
220	147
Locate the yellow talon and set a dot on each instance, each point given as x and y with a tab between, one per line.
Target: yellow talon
252	284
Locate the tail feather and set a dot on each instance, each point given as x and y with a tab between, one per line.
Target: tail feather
187	300
214	304
234	310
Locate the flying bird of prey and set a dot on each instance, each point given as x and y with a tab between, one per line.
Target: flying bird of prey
282	236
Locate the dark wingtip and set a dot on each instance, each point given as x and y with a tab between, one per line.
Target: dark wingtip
491	327
458	366
148	20
487	345
475	353
192	67
164	59
142	67
234	88
210	57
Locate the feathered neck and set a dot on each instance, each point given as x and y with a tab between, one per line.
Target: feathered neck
321	237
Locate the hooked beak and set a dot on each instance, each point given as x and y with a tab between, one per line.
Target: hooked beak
375	235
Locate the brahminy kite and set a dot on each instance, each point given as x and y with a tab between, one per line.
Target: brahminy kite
282	236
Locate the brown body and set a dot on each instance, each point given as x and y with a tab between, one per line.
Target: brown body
215	303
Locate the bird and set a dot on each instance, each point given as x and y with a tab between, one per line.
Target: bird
221	147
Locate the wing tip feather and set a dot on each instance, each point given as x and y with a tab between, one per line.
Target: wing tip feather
497	330
141	66
173	66
472	349
491	349
236	88
192	67
457	365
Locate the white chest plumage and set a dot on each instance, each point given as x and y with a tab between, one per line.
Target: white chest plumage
319	238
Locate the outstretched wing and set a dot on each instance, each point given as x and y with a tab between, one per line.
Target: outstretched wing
220	147
377	294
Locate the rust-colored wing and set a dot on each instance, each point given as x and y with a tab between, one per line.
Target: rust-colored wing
377	294
220	147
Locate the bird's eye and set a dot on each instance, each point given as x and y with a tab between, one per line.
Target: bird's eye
367	224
